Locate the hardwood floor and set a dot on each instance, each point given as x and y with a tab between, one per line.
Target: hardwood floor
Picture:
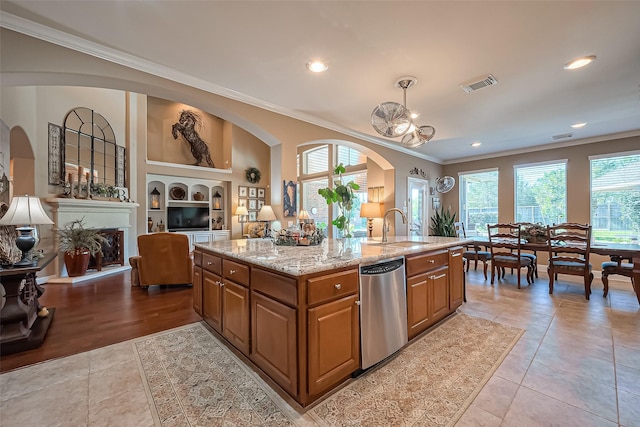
105	311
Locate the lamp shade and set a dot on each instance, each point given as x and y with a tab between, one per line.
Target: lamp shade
370	210
241	210
266	214
303	214
25	210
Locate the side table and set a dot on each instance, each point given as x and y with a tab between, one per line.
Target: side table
20	326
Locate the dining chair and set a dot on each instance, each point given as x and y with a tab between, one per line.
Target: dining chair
505	243
617	266
534	255
569	247
473	252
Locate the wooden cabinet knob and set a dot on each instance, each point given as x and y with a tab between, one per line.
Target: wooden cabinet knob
232	271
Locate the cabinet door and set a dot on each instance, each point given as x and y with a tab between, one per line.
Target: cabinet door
273	339
439	294
212	300
334	343
197	289
418	310
235	315
456	279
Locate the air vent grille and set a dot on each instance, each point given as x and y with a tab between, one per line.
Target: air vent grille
562	136
475	84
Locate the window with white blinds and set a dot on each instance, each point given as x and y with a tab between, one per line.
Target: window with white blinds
615	198
349	156
315	160
541	192
478	201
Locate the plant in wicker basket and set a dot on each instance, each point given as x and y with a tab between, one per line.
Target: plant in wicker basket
535	233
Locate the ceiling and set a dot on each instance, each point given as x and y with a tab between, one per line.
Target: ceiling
256	51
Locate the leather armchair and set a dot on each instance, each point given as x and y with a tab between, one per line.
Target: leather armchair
163	259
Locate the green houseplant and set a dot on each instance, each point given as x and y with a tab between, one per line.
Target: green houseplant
78	244
442	223
343	194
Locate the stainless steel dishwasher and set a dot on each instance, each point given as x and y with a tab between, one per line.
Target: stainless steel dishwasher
383	309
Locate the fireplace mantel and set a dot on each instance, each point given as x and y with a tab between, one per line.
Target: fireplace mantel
96	213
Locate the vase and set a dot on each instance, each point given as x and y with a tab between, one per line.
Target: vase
345	231
77	262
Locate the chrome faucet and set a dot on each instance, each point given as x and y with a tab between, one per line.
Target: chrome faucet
384	221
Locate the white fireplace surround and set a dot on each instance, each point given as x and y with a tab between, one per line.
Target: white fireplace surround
96	214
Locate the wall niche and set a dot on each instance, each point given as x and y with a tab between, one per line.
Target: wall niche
180	134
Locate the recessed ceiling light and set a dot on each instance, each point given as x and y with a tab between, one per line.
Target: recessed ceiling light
476	144
316	66
578	125
579	62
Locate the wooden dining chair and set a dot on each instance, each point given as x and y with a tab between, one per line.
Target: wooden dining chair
617	266
473	252
505	243
534	255
569	247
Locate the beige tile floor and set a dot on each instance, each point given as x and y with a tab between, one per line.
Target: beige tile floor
578	364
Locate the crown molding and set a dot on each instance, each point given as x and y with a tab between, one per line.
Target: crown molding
78	44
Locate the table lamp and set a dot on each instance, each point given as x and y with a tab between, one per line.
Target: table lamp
303	216
370	211
25	211
266	214
242	213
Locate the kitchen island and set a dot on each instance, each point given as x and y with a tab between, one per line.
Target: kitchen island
293	310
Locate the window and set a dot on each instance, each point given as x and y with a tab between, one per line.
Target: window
315	160
615	198
315	203
359	224
349	156
541	193
478	201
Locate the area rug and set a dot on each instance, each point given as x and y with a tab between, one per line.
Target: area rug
194	380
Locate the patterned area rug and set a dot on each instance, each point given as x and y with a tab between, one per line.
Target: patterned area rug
194	380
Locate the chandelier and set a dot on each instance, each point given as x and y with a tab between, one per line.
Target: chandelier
393	120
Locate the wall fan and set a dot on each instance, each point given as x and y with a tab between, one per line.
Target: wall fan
445	184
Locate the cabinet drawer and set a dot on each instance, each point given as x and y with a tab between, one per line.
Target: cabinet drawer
427	261
197	258
281	288
235	271
212	263
331	286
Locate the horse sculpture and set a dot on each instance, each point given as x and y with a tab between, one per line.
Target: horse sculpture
186	126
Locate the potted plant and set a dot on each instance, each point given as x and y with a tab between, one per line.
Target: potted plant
78	244
343	195
442	223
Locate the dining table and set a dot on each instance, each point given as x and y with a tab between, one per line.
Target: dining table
613	250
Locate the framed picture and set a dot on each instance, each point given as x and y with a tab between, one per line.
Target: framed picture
436	203
242	202
253	216
253	204
260	204
253	192
260	193
289	191
242	191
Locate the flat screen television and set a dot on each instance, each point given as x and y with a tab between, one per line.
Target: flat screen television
187	218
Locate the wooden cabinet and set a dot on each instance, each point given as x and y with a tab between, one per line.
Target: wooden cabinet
334	344
197	289
212	300
333	330
427	290
274	340
235	304
456	278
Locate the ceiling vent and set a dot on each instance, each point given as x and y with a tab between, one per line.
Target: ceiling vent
475	84
562	136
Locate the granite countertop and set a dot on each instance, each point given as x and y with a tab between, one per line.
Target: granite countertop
330	254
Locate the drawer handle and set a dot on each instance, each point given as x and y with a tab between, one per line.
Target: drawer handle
456	254
431	261
338	286
209	263
232	271
358	303
438	277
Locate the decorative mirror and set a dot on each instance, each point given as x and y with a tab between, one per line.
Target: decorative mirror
90	146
